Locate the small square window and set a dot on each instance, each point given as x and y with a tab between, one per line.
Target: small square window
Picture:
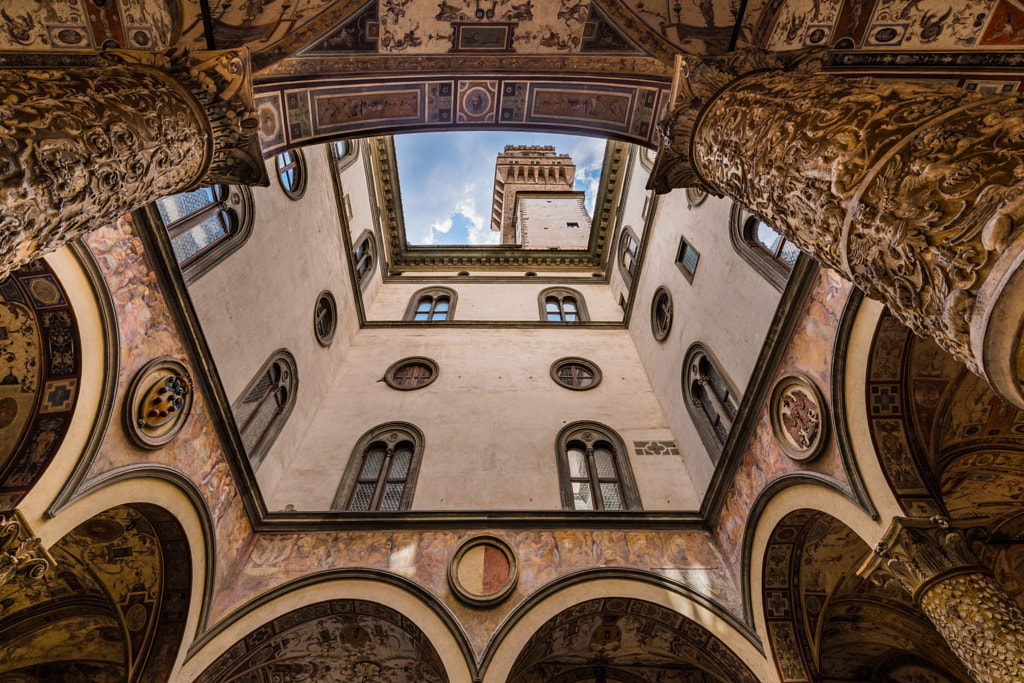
687	259
572	225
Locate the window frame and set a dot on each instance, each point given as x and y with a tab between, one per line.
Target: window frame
591	433
561	294
368	245
770	268
434	293
289	381
628	272
592	367
684	246
692	375
327	337
393	433
236	201
343	161
298	163
659	334
397	366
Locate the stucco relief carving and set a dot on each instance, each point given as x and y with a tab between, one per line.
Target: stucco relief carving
977	618
82	146
20	551
915	193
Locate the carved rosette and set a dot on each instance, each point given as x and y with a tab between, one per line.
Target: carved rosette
20	551
82	146
980	622
914	192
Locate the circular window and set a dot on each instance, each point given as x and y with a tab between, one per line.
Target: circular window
325	318
291	171
411	373
575	373
661	314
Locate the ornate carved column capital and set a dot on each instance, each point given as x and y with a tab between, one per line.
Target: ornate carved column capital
918	553
20	551
696	82
221	83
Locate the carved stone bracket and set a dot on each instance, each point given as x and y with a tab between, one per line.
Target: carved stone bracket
20	551
82	146
980	622
913	192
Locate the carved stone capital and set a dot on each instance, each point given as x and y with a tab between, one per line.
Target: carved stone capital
221	82
696	82
917	552
20	551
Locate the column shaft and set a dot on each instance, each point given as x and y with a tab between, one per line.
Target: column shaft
80	147
913	192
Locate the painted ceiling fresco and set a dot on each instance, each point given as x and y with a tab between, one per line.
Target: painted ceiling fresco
110	610
87	24
625	640
331	642
827	623
40	368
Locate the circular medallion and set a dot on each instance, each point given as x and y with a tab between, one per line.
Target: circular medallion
483	571
157	403
799	418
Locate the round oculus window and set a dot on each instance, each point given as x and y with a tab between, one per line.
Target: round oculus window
661	314
575	373
411	373
325	318
291	172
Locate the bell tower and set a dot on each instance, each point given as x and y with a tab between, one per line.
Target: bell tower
527	168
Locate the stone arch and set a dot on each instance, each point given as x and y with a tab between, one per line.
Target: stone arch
824	622
691	615
337	603
114	607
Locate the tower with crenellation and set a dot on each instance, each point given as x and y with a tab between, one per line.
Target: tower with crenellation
534	204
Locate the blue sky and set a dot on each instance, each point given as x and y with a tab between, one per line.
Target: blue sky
447	180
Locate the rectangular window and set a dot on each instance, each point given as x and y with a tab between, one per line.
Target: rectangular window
686	259
572	225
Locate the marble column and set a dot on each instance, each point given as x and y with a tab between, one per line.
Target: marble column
81	146
913	192
20	551
979	621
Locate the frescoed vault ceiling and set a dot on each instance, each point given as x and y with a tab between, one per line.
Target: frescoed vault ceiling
334	641
628	640
826	623
112	608
40	370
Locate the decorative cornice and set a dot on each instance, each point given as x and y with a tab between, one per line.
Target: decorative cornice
401	257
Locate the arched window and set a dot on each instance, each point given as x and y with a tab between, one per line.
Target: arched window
265	404
362	257
710	397
761	246
205	225
382	472
434	304
561	304
291	172
629	251
343	153
593	469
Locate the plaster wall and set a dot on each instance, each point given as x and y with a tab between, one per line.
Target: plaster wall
629	213
491	301
728	307
490	420
359	202
294	253
543	222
